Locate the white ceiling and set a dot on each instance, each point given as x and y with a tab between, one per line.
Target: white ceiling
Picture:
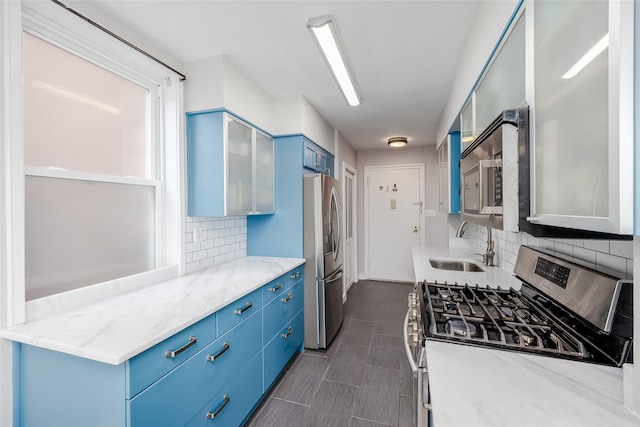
404	54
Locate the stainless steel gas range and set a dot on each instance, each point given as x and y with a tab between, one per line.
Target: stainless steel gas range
562	310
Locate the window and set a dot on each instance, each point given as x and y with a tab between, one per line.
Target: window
101	162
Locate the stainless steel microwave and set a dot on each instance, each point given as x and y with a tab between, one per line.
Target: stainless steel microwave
490	172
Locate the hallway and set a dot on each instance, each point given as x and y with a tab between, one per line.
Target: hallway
362	379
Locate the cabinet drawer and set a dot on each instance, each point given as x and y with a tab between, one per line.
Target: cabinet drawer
145	368
175	398
234	402
281	310
280	349
277	287
237	311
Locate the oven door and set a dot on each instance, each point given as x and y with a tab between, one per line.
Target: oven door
417	359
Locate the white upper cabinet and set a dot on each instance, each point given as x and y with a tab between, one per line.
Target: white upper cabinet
467	124
503	85
582	114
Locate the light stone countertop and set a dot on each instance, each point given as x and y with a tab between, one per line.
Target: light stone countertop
483	387
474	386
492	276
118	328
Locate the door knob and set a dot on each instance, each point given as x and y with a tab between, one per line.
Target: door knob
415	229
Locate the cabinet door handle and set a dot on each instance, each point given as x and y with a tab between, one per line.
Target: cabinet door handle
276	287
286	300
289	332
212	358
174	353
295	275
225	402
243	309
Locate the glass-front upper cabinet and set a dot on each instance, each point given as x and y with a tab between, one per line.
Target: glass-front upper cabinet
503	85
239	191
467	124
449	165
582	117
230	166
264	173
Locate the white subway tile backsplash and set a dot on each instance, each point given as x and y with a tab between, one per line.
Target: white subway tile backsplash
223	240
623	248
597	245
614	255
610	261
585	256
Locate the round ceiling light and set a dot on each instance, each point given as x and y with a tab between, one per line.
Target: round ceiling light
397	141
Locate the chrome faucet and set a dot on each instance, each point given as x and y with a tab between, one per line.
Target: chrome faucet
460	231
487	257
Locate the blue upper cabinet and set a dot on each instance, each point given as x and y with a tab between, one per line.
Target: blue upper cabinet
230	166
317	159
281	234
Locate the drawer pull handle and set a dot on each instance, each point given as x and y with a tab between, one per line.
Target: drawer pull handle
243	309
174	353
276	287
286	300
289	332
295	275
212	415
212	358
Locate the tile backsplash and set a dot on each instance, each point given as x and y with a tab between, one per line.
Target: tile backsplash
616	255
222	239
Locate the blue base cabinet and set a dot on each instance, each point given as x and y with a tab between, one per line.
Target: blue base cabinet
220	369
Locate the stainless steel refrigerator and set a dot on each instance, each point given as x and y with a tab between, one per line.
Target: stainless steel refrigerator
323	311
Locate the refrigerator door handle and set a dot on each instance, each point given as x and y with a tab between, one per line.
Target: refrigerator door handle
332	277
335	236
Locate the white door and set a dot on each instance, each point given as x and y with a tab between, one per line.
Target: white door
349	229
393	220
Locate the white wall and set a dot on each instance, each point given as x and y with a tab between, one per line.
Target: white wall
294	114
492	18
217	82
424	155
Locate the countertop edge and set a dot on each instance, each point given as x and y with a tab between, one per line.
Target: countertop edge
85	346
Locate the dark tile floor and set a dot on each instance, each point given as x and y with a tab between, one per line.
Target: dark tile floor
361	380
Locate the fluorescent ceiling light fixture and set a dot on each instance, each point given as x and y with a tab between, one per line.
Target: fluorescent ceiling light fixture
322	30
592	54
56	90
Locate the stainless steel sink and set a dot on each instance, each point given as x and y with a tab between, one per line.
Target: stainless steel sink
455	265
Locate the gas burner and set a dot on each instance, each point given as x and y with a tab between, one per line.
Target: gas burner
495	299
506	312
447	294
524	337
459	328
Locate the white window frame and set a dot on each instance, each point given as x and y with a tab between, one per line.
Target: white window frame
53	24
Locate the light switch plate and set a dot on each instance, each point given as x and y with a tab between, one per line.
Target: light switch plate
429	212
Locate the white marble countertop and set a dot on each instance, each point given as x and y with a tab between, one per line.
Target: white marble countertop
491	276
116	329
482	387
473	386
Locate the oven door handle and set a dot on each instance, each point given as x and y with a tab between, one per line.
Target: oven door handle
407	349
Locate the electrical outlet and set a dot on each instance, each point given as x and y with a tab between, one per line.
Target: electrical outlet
197	235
